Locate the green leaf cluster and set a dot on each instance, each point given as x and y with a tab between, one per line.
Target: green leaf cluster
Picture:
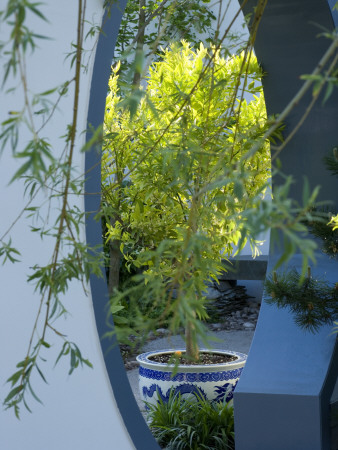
287	220
7	252
76	358
21	380
182	146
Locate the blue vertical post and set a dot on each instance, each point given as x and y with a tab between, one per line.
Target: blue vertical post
282	399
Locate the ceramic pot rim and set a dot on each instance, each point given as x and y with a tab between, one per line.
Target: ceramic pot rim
143	360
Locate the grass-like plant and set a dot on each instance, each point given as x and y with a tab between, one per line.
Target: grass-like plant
192	423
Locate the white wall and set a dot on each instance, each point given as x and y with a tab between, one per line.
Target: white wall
79	411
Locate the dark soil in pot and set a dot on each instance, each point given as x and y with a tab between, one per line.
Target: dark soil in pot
204	358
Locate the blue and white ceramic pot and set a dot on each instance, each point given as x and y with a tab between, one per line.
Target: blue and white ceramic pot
214	382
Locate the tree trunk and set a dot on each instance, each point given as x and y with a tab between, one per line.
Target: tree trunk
192	350
114	263
139	44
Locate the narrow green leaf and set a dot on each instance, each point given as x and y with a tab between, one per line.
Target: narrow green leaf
41	374
62	352
22	170
26	405
15	377
328	92
25	362
13	393
33	393
87	362
17	411
72	361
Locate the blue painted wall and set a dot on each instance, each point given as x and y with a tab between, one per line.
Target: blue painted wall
282	399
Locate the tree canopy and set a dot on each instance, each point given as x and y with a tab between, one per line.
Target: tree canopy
178	176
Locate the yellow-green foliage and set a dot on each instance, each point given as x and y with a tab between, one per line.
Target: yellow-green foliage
189	126
334	222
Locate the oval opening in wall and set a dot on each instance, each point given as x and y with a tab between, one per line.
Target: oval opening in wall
157	207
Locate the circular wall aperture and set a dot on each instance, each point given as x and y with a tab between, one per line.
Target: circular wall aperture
287	47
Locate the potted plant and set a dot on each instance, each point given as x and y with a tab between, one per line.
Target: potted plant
190	177
214	376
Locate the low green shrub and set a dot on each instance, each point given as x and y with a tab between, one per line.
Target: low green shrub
184	423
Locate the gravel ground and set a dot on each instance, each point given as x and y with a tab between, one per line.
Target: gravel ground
243	320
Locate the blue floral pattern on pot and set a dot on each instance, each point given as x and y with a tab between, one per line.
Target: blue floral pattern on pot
226	391
181	389
214	382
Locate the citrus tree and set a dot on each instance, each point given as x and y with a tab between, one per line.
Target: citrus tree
177	177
